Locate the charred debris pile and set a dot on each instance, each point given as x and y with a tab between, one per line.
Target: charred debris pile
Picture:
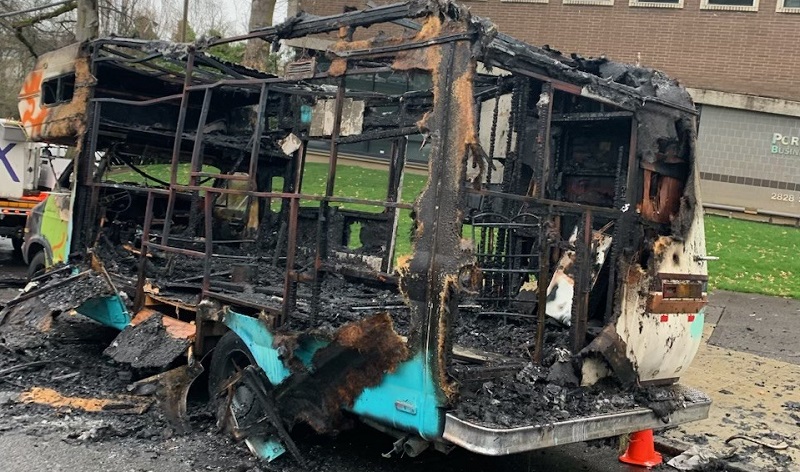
556	186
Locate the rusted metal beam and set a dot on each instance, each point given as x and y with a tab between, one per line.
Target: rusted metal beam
583	283
197	149
87	215
307	24
138	302
592	116
542	282
257	132
557	205
208	207
545	109
379	51
394	194
301	196
197	161
382	134
290	279
322	221
176	147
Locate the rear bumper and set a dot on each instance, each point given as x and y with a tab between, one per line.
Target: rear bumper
498	442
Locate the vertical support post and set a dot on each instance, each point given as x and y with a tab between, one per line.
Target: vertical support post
543	280
253	209
619	200
394	195
197	160
257	132
322	220
90	217
545	108
290	281
580	300
176	147
142	273
208	205
634	184
197	149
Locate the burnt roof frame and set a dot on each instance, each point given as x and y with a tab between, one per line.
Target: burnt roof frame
494	49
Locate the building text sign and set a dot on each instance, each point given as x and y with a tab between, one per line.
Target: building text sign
785	144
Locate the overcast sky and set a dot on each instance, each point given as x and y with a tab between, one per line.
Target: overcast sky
234	13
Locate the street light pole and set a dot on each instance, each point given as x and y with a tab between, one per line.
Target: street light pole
185	21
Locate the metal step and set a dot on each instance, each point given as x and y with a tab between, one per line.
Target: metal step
498	442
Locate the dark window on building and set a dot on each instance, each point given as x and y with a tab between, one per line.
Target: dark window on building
659	1
58	90
732	3
791	3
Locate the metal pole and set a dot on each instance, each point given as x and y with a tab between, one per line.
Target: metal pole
541	302
176	147
184	25
142	273
580	301
545	109
322	220
294	206
209	239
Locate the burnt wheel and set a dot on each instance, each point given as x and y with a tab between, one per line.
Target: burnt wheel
231	355
37	265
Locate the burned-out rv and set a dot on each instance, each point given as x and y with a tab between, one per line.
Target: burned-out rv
554	257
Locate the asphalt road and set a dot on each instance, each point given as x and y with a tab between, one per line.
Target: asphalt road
10	267
37	438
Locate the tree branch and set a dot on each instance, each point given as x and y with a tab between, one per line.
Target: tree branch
45	16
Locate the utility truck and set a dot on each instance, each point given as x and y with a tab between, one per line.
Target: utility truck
27	171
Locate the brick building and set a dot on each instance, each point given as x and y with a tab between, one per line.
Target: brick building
739	58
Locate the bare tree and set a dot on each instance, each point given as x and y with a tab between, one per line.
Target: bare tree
257	53
88	25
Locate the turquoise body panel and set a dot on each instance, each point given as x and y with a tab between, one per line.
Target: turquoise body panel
405	399
269	448
696	327
108	311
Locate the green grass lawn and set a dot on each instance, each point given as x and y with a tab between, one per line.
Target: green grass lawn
370	184
159	171
754	257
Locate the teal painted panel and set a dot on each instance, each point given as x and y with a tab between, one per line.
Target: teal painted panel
696	326
305	114
268	449
259	340
108	311
406	398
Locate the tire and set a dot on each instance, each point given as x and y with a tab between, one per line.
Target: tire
231	355
17	244
37	265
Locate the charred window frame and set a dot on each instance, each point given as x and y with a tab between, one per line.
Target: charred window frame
58	90
729	5
391	84
656	3
788	6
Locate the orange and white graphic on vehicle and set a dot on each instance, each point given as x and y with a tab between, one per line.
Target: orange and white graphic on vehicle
30	109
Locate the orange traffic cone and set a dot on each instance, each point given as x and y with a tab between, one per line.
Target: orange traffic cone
641	450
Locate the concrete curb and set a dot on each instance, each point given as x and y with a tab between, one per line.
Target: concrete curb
674	447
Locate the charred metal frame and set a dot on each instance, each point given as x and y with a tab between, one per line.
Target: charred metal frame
520	221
